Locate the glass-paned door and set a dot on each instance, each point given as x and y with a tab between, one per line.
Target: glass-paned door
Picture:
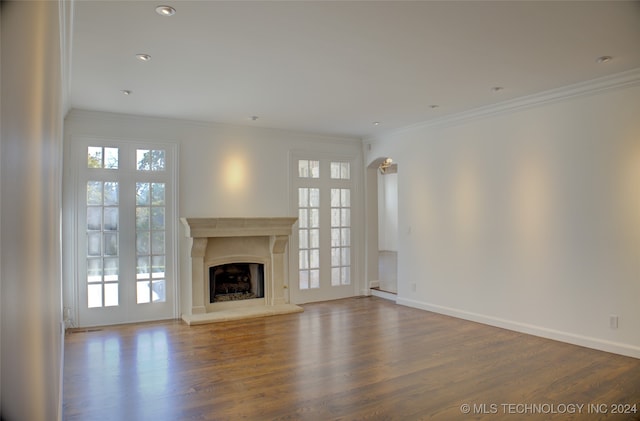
125	207
322	236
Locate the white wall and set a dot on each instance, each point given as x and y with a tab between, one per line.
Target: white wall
225	171
388	211
31	154
527	219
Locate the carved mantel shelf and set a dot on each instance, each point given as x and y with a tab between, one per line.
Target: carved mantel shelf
237	227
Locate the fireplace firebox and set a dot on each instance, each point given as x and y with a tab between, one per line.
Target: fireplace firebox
236	281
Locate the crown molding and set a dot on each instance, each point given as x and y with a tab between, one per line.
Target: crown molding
80	114
617	81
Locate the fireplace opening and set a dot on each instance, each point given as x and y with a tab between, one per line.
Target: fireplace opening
236	281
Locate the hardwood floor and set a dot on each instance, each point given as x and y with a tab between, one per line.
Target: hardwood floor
353	359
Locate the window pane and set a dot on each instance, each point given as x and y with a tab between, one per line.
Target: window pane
314	218
157	267
303	239
94	218
314	198
110	244
303	168
157	242
143	161
110	295
157	194
142	218
303	197
94	159
157	160
93	244
303	218
335	237
345	217
314	258
314	238
143	268
142	242
110	193
94	193
303	262
345	171
157	218
143	194
335	256
111	269
94	295
94	270
111	158
314	169
335	277
346	275
143	293
304	279
314	278
335	218
110	219
346	256
158	291
345	197
335	170
345	239
335	198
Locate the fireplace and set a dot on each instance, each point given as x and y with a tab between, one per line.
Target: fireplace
236	269
235	282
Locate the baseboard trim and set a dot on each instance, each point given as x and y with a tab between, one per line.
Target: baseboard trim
572	338
383	294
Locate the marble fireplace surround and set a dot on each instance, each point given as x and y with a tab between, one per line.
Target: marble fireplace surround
217	241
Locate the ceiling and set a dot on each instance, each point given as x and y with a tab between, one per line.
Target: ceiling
336	67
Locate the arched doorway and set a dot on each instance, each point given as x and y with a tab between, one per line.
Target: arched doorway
382	182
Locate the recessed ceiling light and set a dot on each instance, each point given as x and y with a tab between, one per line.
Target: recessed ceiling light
434	106
165	10
497	89
376	123
126	92
143	57
604	59
254	118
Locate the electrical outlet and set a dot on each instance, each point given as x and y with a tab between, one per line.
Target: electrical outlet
613	321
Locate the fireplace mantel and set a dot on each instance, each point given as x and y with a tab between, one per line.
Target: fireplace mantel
237	227
232	240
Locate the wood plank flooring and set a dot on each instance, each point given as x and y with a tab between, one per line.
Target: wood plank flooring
354	359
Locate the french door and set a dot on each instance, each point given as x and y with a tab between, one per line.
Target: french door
125	231
321	267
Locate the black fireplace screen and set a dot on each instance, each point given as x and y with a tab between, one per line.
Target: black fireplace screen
236	281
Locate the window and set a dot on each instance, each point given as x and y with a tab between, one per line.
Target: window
102	157
323	189
125	231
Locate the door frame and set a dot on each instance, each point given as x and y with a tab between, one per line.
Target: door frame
296	295
73	155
